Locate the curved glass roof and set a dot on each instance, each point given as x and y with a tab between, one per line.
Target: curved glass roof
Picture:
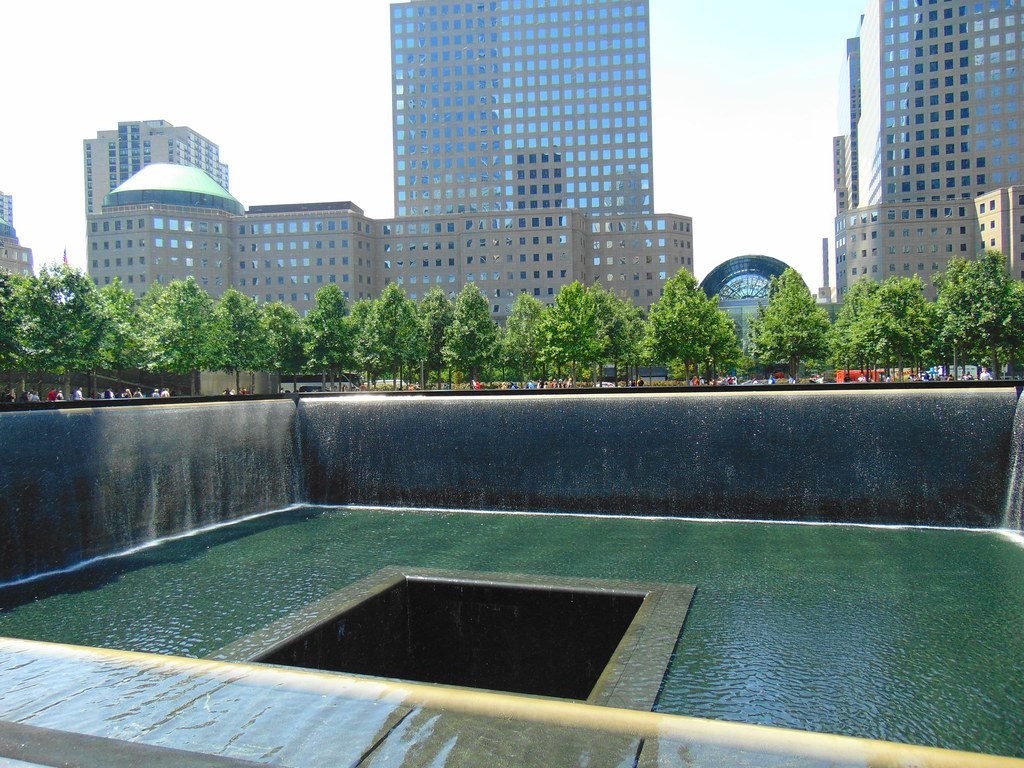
171	184
745	278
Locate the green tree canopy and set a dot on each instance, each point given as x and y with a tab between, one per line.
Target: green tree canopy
178	320
471	340
64	322
237	336
570	331
124	344
790	326
849	339
900	323
11	315
435	313
286	353
521	343
980	309
686	328
329	344
390	338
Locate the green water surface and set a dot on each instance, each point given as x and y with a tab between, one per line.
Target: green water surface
902	634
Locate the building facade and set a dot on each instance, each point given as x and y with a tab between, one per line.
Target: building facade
521	105
1001	225
14	257
7	208
171	222
522	163
114	156
938	86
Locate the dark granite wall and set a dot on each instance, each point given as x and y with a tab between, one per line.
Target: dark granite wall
76	483
915	456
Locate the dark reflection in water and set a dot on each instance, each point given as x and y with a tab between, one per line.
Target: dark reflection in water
908	635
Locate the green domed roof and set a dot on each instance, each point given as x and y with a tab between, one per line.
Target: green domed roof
173	185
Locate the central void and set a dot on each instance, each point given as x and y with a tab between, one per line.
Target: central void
910	635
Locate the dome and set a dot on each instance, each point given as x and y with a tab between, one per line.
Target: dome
744	279
170	184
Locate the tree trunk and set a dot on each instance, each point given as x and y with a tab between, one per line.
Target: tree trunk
238	377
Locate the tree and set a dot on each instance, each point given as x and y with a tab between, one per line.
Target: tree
522	341
900	323
684	328
65	322
620	328
11	314
471	341
849	338
329	342
178	320
286	355
124	343
237	336
570	330
390	338
435	313
980	309
790	326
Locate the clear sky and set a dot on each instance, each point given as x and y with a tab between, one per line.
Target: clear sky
297	96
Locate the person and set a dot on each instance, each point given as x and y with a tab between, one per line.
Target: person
77	394
771	378
156	393
986	374
51	396
59	396
108	394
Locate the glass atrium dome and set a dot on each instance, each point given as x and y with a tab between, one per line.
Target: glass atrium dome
745	279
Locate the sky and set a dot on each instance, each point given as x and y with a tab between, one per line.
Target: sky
297	96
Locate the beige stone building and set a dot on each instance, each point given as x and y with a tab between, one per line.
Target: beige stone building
170	222
1001	225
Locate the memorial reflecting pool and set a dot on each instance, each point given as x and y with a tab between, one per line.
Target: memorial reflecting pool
911	635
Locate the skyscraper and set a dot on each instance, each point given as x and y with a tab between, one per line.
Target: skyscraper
14	257
7	208
508	105
938	85
114	156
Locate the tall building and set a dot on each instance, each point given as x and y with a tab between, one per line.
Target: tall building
7	208
114	156
522	162
938	86
512	105
14	257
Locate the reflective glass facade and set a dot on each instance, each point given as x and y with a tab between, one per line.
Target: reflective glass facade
509	105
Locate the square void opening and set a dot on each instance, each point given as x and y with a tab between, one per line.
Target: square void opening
575	639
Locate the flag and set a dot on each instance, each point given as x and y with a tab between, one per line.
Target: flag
65	256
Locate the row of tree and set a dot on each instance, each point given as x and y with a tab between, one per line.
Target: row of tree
60	323
977	317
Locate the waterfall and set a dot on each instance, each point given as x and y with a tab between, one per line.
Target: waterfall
1015	485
